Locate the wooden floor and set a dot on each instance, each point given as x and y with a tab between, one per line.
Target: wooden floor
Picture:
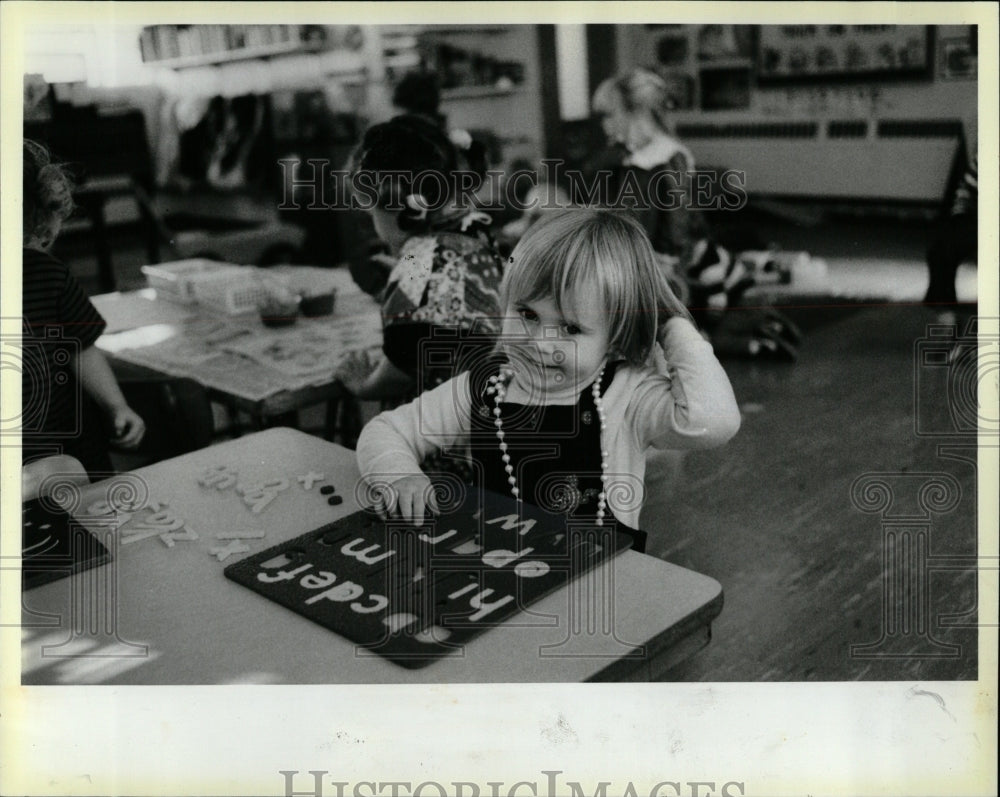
808	583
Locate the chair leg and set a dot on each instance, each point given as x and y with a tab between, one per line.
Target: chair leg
343	421
330	424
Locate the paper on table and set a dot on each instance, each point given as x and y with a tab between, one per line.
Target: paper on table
224	371
240	376
311	348
124	311
179	352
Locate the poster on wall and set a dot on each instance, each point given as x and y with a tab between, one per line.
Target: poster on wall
809	53
957	59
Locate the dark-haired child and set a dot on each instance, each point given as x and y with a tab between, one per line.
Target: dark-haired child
419	93
446	272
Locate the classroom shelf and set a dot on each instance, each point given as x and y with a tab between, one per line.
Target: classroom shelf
241	54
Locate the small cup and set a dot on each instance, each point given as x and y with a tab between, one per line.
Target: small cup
318	304
278	311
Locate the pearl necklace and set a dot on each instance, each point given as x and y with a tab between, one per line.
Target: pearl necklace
497	387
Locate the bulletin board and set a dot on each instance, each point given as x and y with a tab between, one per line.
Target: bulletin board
821	53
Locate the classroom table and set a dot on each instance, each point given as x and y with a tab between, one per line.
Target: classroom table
159	614
152	334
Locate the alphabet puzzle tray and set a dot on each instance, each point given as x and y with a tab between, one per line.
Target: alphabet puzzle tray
54	545
413	595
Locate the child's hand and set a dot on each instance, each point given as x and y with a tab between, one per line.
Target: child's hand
355	368
129	427
407	498
664	329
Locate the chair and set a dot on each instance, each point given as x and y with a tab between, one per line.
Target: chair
111	157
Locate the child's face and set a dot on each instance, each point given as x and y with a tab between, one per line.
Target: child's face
553	352
615	126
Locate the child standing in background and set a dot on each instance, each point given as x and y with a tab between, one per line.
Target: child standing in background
597	362
59	328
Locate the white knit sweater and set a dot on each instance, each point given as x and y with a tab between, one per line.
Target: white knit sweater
681	400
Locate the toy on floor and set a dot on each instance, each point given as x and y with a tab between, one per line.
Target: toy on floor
718	281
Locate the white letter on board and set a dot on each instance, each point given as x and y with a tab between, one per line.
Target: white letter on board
282	575
317	581
364	556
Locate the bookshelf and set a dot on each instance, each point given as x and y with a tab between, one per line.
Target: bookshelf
188	46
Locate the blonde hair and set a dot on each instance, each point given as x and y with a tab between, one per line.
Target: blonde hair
595	249
637	90
47	196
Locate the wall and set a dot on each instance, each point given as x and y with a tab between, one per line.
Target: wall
515	116
882	163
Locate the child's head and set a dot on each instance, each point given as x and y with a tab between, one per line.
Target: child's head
413	168
419	93
631	106
48	197
596	271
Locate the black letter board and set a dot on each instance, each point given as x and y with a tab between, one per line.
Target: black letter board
413	594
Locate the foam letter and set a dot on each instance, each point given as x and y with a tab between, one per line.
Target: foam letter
323	579
364	556
282	575
345	591
380	602
502	558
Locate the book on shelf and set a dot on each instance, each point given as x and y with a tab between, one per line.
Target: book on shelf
168	42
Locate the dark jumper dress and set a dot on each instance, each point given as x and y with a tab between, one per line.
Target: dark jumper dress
555	451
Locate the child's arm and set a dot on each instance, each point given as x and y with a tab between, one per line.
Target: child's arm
385	380
100	383
692	404
392	445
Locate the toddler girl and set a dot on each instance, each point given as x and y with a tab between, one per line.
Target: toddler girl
597	361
